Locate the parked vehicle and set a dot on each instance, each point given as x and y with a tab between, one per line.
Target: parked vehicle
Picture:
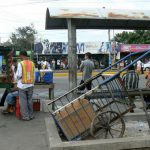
147	65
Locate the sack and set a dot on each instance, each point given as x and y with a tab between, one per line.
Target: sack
82	87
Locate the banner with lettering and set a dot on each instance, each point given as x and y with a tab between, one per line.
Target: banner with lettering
81	47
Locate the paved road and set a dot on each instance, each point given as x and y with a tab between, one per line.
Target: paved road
62	86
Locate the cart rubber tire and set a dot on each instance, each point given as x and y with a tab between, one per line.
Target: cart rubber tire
107	125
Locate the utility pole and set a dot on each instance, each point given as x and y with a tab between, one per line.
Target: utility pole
109	35
109	55
72	55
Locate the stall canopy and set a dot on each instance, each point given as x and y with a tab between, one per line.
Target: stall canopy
56	18
93	18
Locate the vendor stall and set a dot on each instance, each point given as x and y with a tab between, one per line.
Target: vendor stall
6	72
6	61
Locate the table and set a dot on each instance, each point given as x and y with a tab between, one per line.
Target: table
50	88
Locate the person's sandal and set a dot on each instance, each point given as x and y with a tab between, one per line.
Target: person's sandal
5	112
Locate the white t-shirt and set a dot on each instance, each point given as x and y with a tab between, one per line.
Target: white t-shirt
139	63
18	75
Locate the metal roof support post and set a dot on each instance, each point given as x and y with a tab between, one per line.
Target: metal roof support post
72	55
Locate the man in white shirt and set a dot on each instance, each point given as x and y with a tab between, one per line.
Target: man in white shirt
25	84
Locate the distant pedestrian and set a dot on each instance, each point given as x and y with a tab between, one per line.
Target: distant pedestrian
142	67
139	67
45	64
25	83
39	65
53	64
58	64
87	66
131	81
147	76
122	64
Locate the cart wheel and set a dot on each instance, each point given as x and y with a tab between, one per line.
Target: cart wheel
107	124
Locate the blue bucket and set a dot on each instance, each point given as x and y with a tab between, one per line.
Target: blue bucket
48	77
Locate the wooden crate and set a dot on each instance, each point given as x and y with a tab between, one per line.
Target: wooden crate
75	118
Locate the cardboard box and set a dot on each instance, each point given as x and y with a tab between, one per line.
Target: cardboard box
75	118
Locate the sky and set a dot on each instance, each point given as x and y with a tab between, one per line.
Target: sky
20	13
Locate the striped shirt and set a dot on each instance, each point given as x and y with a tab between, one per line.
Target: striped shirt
131	79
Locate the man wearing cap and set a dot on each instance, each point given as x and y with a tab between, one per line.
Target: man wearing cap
25	84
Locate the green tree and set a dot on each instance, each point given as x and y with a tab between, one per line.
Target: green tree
23	38
135	37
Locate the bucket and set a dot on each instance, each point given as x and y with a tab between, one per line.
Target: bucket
36	104
46	76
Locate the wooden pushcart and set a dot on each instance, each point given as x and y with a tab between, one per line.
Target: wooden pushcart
99	112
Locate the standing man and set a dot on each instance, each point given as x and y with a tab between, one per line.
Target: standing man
131	81
87	66
25	83
139	67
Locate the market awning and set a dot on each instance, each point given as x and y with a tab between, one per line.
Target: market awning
56	18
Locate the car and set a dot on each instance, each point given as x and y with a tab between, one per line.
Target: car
147	65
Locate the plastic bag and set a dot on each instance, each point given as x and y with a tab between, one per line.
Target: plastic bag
82	87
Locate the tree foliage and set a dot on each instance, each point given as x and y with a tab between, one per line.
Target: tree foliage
7	43
135	37
23	38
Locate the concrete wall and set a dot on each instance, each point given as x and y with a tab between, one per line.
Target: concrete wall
127	143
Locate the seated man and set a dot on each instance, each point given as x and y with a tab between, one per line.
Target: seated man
131	80
3	98
11	100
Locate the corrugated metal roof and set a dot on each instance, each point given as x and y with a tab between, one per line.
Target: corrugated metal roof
97	18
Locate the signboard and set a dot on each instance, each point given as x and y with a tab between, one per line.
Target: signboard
81	47
134	47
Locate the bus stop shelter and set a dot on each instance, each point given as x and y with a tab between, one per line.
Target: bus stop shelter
92	18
